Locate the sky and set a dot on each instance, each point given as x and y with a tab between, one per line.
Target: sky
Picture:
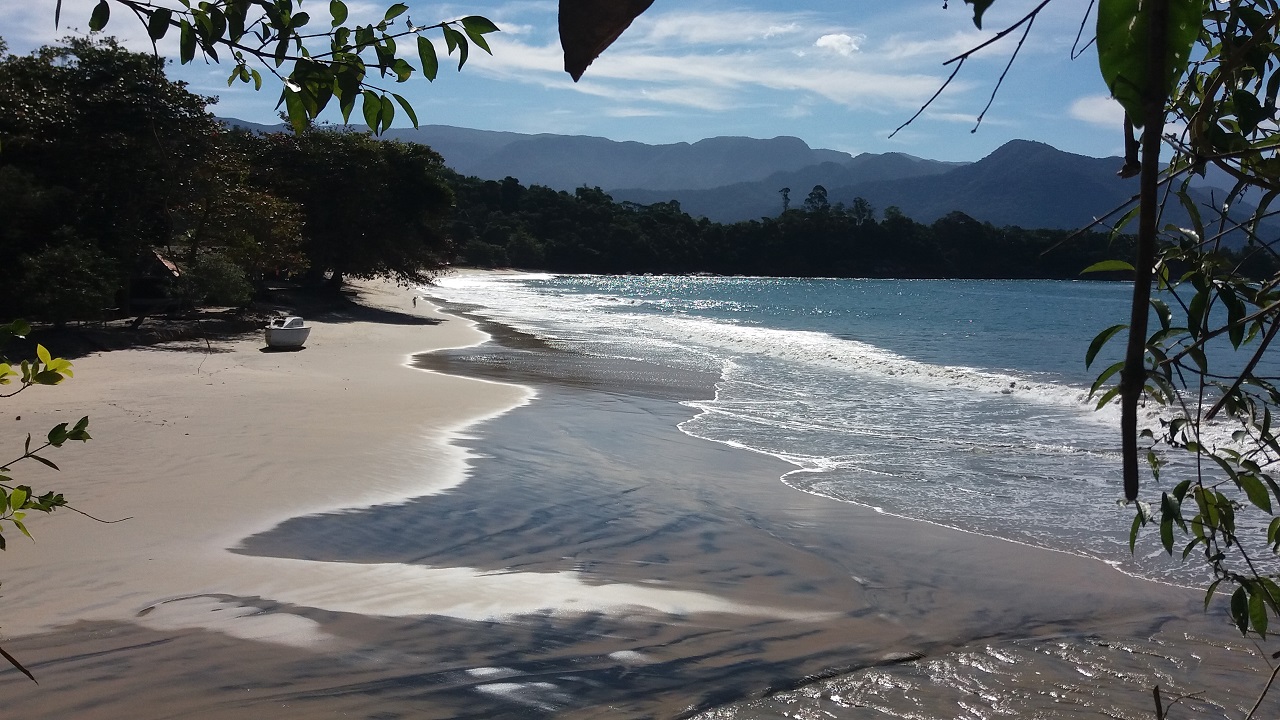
839	74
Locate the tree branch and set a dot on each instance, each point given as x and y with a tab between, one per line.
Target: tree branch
1132	377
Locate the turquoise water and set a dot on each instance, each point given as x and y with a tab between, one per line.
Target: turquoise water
962	403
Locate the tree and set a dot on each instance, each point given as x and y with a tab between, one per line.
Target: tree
227	215
69	280
371	207
107	145
817	200
104	154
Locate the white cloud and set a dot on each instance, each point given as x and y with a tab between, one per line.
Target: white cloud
634	112
953	117
841	43
1098	110
901	47
710	28
797	111
788	29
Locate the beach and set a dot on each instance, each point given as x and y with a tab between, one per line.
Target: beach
424	516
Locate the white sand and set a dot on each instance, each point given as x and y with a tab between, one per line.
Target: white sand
202	449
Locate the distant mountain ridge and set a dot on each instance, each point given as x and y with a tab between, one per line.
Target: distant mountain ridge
730	179
566	162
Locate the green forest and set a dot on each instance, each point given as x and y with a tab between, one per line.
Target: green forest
122	193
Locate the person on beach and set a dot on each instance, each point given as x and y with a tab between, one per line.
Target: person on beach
415	301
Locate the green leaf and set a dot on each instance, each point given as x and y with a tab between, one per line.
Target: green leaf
1240	609
101	14
1106	375
13	660
427	53
44	462
1108	266
186	42
402	69
1100	341
1256	491
395	11
387	113
476	27
1195	313
1199	358
338	10
19	497
295	109
1270	592
1108	397
1191	546
47	377
57	435
282	50
1122	33
408	109
1162	312
1133	530
979	7
158	23
17	328
347	88
1153	462
1258	612
372	106
454	39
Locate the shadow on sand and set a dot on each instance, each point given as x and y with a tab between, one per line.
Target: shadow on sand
210	324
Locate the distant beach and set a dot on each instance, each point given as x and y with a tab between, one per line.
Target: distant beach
422	517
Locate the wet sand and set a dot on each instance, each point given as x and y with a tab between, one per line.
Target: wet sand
301	550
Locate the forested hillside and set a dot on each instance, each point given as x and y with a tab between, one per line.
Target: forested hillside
499	224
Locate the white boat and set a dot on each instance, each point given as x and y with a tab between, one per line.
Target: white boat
287	332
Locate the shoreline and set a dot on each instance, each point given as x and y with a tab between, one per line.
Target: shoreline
589	559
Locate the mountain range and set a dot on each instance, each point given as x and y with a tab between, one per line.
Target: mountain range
729	179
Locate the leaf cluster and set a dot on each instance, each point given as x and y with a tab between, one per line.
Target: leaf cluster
17	500
1208	366
340	62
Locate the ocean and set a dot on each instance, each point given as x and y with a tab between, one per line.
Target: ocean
962	404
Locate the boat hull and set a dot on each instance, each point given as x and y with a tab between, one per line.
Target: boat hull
287	337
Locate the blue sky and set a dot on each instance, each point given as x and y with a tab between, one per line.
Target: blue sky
839	75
